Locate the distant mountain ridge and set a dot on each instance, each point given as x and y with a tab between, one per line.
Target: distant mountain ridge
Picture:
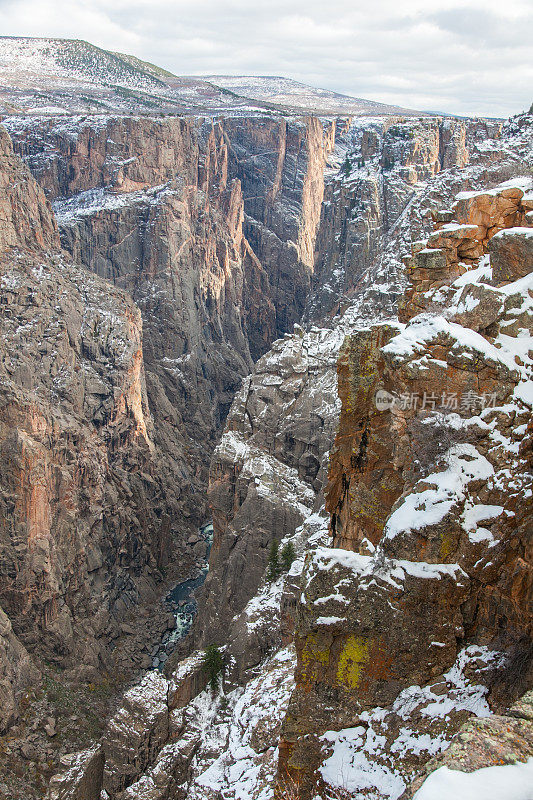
285	91
65	76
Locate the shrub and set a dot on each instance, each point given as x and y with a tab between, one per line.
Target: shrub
346	166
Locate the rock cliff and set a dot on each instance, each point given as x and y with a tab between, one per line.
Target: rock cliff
84	526
419	607
210	227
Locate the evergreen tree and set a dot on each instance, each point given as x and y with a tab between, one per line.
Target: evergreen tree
288	554
273	569
213	665
347	166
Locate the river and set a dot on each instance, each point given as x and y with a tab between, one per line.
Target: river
181	601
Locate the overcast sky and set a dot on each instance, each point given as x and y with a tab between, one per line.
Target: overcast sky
462	57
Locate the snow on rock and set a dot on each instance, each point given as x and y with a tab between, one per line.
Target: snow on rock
508	782
94	201
350	769
428	507
426	329
248	730
377	757
137	731
223	745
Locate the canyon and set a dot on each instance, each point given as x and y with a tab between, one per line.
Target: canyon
307	327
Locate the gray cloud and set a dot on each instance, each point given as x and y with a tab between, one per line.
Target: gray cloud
487	29
458	56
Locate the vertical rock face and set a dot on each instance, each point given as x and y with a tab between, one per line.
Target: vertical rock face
84	521
281	165
383	169
211	228
423	595
25	216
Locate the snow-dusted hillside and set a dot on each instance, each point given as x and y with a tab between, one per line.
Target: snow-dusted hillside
61	76
292	94
74	59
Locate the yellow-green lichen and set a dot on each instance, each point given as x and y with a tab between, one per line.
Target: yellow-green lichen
448	545
313	654
353	656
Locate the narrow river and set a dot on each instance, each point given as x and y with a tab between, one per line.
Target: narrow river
181	601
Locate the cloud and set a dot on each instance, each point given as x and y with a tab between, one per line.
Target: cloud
486	29
458	56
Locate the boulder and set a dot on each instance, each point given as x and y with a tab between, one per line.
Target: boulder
82	778
511	253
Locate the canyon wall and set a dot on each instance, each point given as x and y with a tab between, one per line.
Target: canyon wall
84	521
417	614
121	401
210	227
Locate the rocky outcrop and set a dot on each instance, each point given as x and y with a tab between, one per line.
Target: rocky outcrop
82	777
496	740
136	733
163	745
267	471
383	170
423	594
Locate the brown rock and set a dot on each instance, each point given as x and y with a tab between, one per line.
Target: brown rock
511	254
82	778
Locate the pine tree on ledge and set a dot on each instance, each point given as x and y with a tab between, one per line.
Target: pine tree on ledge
288	555
213	665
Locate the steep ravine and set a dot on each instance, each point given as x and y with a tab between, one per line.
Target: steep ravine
273	459
167	225
210	227
226	234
